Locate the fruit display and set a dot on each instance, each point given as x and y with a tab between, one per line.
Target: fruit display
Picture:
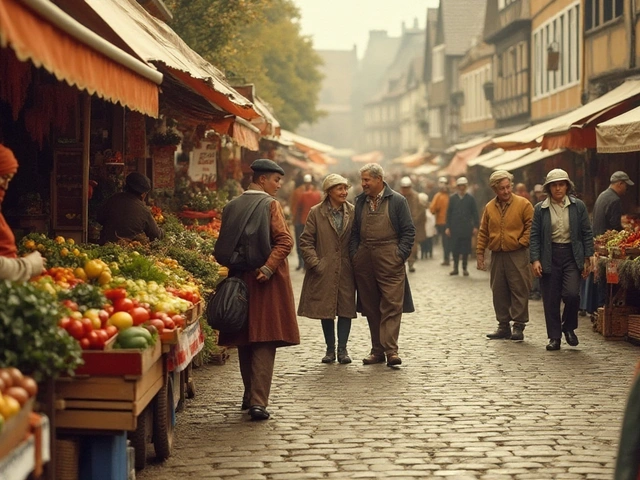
136	337
622	240
15	391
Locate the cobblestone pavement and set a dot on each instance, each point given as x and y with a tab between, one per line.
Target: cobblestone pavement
461	406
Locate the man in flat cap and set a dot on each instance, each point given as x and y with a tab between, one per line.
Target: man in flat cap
505	229
254	243
125	215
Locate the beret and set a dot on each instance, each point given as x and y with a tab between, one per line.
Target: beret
266	165
138	183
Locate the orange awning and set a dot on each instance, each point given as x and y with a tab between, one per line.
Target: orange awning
245	134
34	38
458	164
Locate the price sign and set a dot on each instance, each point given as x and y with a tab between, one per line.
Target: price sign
203	163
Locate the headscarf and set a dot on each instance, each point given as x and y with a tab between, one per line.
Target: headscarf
8	165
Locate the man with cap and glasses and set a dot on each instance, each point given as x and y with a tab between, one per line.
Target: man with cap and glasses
439	206
505	229
125	215
272	319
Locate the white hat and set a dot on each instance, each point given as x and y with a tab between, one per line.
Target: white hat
537	188
462	181
332	180
405	182
423	198
556	175
443	180
307	178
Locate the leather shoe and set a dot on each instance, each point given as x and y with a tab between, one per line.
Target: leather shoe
393	360
500	333
453	272
516	334
571	338
373	358
258	412
554	344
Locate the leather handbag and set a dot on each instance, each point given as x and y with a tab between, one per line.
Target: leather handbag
228	306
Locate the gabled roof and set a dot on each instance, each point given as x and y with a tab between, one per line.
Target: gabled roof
459	22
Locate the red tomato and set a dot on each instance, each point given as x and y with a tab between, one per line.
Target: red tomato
159	324
122	305
85	344
178	320
103	315
115	293
87	325
168	324
156	315
93	338
76	329
136	302
108	309
100	339
139	314
71	305
64	322
111	330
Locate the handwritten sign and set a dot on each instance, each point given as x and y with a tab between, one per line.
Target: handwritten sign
203	164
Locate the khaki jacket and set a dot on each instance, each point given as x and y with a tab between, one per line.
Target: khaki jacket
509	233
329	288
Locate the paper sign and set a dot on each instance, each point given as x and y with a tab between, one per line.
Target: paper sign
203	163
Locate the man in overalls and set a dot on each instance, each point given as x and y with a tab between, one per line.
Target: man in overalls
381	240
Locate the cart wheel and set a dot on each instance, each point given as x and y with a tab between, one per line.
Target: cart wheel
139	439
163	421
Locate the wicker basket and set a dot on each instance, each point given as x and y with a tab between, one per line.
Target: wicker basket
67	452
615	324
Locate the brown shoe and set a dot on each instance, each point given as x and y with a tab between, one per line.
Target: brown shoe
373	358
393	360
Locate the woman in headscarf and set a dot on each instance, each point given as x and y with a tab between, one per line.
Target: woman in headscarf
329	287
11	267
561	250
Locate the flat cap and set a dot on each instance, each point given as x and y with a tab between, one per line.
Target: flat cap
138	182
265	165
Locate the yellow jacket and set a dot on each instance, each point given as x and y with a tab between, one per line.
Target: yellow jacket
508	232
439	206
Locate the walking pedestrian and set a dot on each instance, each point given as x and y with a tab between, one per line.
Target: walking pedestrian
272	315
538	196
426	246
462	225
381	240
561	250
505	229
418	216
329	287
439	206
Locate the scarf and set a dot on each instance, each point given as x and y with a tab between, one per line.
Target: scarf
8	165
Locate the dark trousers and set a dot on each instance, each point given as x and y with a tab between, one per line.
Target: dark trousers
426	248
298	229
562	284
344	328
256	368
446	242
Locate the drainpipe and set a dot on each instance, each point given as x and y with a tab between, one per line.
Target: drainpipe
632	34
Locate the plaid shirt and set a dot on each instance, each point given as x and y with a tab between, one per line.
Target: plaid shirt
374	202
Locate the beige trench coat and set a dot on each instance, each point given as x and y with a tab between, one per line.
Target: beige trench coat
329	286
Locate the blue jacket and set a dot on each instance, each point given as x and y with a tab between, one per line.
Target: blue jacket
579	225
400	216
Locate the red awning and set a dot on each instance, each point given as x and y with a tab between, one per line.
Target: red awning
76	55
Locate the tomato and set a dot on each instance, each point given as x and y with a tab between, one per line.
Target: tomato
75	329
103	315
179	320
111	330
70	304
139	314
87	325
64	322
85	344
108	309
159	324
158	315
122	305
93	339
114	294
168	324
104	336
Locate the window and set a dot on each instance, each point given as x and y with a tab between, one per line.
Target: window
475	107
435	128
600	12
438	64
560	34
505	3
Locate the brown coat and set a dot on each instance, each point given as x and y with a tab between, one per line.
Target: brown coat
418	215
272	311
329	286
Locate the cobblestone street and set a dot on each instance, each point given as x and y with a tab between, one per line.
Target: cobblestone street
461	406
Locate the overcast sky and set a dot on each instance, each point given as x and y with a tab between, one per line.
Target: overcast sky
339	24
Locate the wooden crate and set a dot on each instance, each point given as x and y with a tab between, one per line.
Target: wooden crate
615	324
599	320
106	402
634	327
15	429
170	337
120	362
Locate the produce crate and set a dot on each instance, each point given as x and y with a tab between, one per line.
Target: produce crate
634	327
615	321
15	429
193	313
104	402
126	362
170	337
